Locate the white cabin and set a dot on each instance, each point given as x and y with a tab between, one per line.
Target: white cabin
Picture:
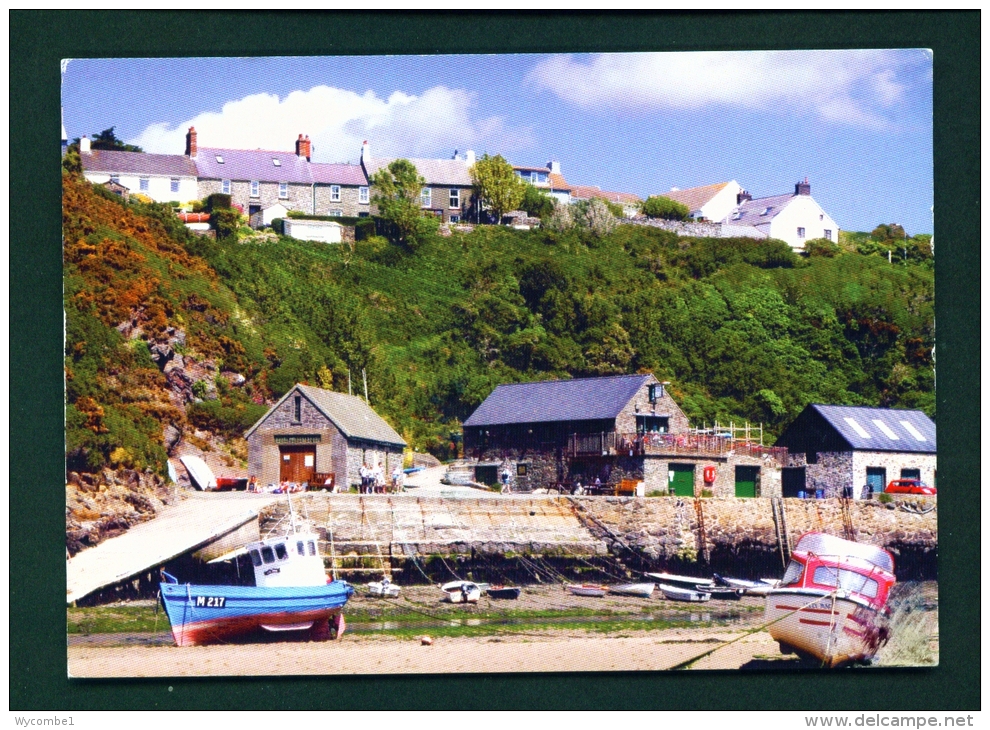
288	560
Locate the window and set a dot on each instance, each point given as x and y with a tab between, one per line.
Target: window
283	190
300	548
655	392
426	197
792	576
737	215
534	177
280	551
173	184
364	214
267	555
297	409
455	198
522	469
219	159
828	234
911	474
847	580
766	210
277	162
362	195
335	193
256	558
455	219
336	213
800	232
312	547
115	178
225	187
143	184
255	189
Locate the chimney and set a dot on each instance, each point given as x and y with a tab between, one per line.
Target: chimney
554	166
84	145
469	157
365	152
802	188
742	196
191	142
304	148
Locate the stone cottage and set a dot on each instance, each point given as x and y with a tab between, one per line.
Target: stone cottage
312	433
831	448
554	434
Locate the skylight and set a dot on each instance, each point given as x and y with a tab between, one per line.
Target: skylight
886	429
220	159
913	431
857	428
766	210
737	215
277	162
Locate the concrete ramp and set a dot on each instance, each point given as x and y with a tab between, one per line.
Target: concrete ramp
197	521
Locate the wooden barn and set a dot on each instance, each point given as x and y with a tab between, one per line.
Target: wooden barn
312	433
834	448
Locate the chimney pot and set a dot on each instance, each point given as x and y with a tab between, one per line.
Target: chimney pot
469	157
802	188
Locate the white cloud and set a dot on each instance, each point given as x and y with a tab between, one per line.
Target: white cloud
851	87
435	123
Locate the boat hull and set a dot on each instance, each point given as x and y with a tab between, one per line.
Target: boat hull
674	593
833	630
504	593
640	590
592	591
205	614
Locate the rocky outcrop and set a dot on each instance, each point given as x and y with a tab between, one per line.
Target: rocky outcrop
103	505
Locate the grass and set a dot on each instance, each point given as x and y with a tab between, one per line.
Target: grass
116	620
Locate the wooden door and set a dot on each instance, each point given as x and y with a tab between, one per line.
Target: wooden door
746	480
297	463
682	479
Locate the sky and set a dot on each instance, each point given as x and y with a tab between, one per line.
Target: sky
856	123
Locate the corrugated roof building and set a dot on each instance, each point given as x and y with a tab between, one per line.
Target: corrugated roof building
836	450
312	432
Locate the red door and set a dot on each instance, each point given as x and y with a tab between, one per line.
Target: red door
298	463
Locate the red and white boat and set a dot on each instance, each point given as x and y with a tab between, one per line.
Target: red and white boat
831	604
587	589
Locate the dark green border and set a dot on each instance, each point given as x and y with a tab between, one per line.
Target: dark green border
37	615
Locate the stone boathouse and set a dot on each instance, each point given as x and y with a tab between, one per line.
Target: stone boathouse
831	448
554	434
312	433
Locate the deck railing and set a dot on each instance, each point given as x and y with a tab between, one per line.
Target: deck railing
689	444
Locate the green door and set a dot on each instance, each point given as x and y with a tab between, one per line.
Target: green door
746	480
682	479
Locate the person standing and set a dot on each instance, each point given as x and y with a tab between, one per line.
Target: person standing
397	475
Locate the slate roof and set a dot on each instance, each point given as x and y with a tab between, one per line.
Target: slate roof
436	172
750	213
355	418
137	163
881	429
694	198
252	165
338	174
586	192
581	399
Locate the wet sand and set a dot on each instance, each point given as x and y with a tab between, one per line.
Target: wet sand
554	652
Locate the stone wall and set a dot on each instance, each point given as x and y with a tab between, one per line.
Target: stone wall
349	203
892	463
700	229
833	471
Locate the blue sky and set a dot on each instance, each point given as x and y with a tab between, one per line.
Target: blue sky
857	124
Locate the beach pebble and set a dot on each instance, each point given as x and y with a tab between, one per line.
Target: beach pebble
426	641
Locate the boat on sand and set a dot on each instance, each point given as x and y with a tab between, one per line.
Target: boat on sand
587	589
685	581
461	591
640	590
676	593
383	588
504	592
831	604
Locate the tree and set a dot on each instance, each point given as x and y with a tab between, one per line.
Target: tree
397	193
107	140
560	219
598	218
657	206
497	185
536	203
888	233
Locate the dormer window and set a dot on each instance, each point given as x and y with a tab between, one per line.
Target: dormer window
737	215
219	159
766	210
277	162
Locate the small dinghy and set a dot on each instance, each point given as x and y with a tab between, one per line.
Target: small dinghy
504	592
722	593
461	591
383	588
685	581
640	590
675	593
588	589
749	587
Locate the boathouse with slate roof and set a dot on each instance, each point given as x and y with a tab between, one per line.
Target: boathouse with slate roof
311	433
831	448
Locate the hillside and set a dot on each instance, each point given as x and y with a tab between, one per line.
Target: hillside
173	338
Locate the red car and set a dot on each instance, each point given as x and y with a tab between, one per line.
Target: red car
908	486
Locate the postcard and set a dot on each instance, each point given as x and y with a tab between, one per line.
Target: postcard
499	363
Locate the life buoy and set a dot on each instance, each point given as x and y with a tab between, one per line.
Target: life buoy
709	474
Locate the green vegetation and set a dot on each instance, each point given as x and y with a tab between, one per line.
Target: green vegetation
744	329
397	195
497	185
657	206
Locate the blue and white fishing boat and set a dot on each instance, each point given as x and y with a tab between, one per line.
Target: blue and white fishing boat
291	593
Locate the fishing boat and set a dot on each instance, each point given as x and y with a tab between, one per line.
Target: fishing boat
504	592
383	588
686	581
588	589
640	590
676	593
461	591
291	594
831	604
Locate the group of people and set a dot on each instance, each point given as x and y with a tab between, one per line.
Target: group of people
373	479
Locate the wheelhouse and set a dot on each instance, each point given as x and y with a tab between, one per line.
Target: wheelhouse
292	559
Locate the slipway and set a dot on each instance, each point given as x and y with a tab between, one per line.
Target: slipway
196	522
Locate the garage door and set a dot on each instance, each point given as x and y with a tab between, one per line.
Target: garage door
746	480
682	479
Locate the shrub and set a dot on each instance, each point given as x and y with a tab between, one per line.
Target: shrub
560	219
598	218
214	201
884	498
230	420
364	229
225	221
657	206
821	247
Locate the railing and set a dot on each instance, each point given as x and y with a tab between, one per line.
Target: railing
690	444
